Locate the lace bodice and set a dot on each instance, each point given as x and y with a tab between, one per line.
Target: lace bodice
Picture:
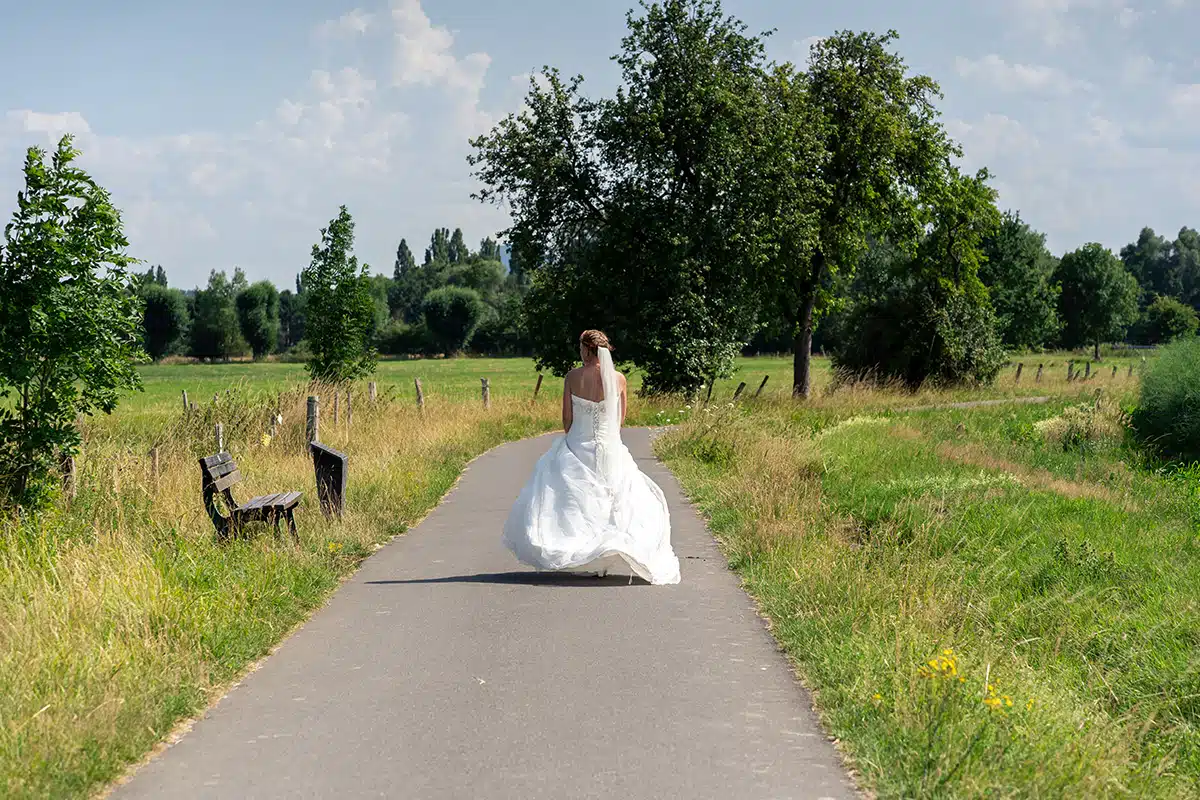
588	421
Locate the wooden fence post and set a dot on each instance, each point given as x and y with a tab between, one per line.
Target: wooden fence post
1020	369
1070	371
420	394
711	382
487	393
336	395
70	477
312	425
372	391
1087	372
1114	375
349	410
1038	379
537	389
761	385
1130	371
741	388
219	430
186	407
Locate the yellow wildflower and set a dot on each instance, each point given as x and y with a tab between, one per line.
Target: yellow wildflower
266	439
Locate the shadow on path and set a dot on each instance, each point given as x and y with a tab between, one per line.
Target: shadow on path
573	579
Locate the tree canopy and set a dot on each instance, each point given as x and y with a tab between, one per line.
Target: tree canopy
339	307
70	322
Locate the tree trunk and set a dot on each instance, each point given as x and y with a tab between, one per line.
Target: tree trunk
1097	349
802	351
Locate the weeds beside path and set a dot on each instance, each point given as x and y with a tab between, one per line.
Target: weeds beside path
984	604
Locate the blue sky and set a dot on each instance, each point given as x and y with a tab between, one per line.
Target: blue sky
230	132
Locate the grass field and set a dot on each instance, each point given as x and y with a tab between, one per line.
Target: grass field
120	615
981	610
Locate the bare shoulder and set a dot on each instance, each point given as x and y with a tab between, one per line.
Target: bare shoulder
621	379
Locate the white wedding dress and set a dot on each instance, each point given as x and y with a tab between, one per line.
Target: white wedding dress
587	502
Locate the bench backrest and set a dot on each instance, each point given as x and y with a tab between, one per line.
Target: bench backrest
219	473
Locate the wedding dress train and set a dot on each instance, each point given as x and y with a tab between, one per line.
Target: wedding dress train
587	501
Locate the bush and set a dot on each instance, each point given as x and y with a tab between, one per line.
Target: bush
1085	426
1168	415
401	339
920	334
1165	320
452	315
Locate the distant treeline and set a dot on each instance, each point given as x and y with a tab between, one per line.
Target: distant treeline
455	300
1148	295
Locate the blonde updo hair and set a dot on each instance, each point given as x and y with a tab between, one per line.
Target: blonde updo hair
591	341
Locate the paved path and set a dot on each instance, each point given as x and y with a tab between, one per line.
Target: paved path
443	669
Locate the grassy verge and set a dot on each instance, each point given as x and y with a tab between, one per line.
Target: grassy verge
980	609
119	614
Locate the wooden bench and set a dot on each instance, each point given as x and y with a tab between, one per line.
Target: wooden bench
219	474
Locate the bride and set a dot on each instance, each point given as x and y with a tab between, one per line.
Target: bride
587	501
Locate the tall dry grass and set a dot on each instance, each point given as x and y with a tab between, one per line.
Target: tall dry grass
120	614
1021	623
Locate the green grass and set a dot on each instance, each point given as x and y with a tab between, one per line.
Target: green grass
1064	578
119	614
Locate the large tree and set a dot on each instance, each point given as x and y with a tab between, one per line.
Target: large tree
881	149
69	321
452	314
291	319
1166	319
926	317
258	317
164	318
1099	299
339	307
638	212
404	260
215	332
439	247
458	250
1019	274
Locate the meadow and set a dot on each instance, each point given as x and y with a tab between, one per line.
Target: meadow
871	548
999	601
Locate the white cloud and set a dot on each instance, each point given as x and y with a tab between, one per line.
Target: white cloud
352	23
1127	17
196	201
1008	77
52	126
1185	100
1056	21
992	136
803	48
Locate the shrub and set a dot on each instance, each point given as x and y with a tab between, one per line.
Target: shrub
452	315
920	334
1086	425
1167	418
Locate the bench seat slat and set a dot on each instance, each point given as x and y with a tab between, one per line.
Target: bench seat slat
220	470
281	500
223	483
219	458
262	501
289	500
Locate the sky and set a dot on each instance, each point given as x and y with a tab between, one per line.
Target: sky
229	132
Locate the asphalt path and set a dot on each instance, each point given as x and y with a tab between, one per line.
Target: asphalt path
444	669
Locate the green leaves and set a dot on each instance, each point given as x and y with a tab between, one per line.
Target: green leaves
639	213
70	324
1099	299
339	306
452	314
258	317
1019	273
